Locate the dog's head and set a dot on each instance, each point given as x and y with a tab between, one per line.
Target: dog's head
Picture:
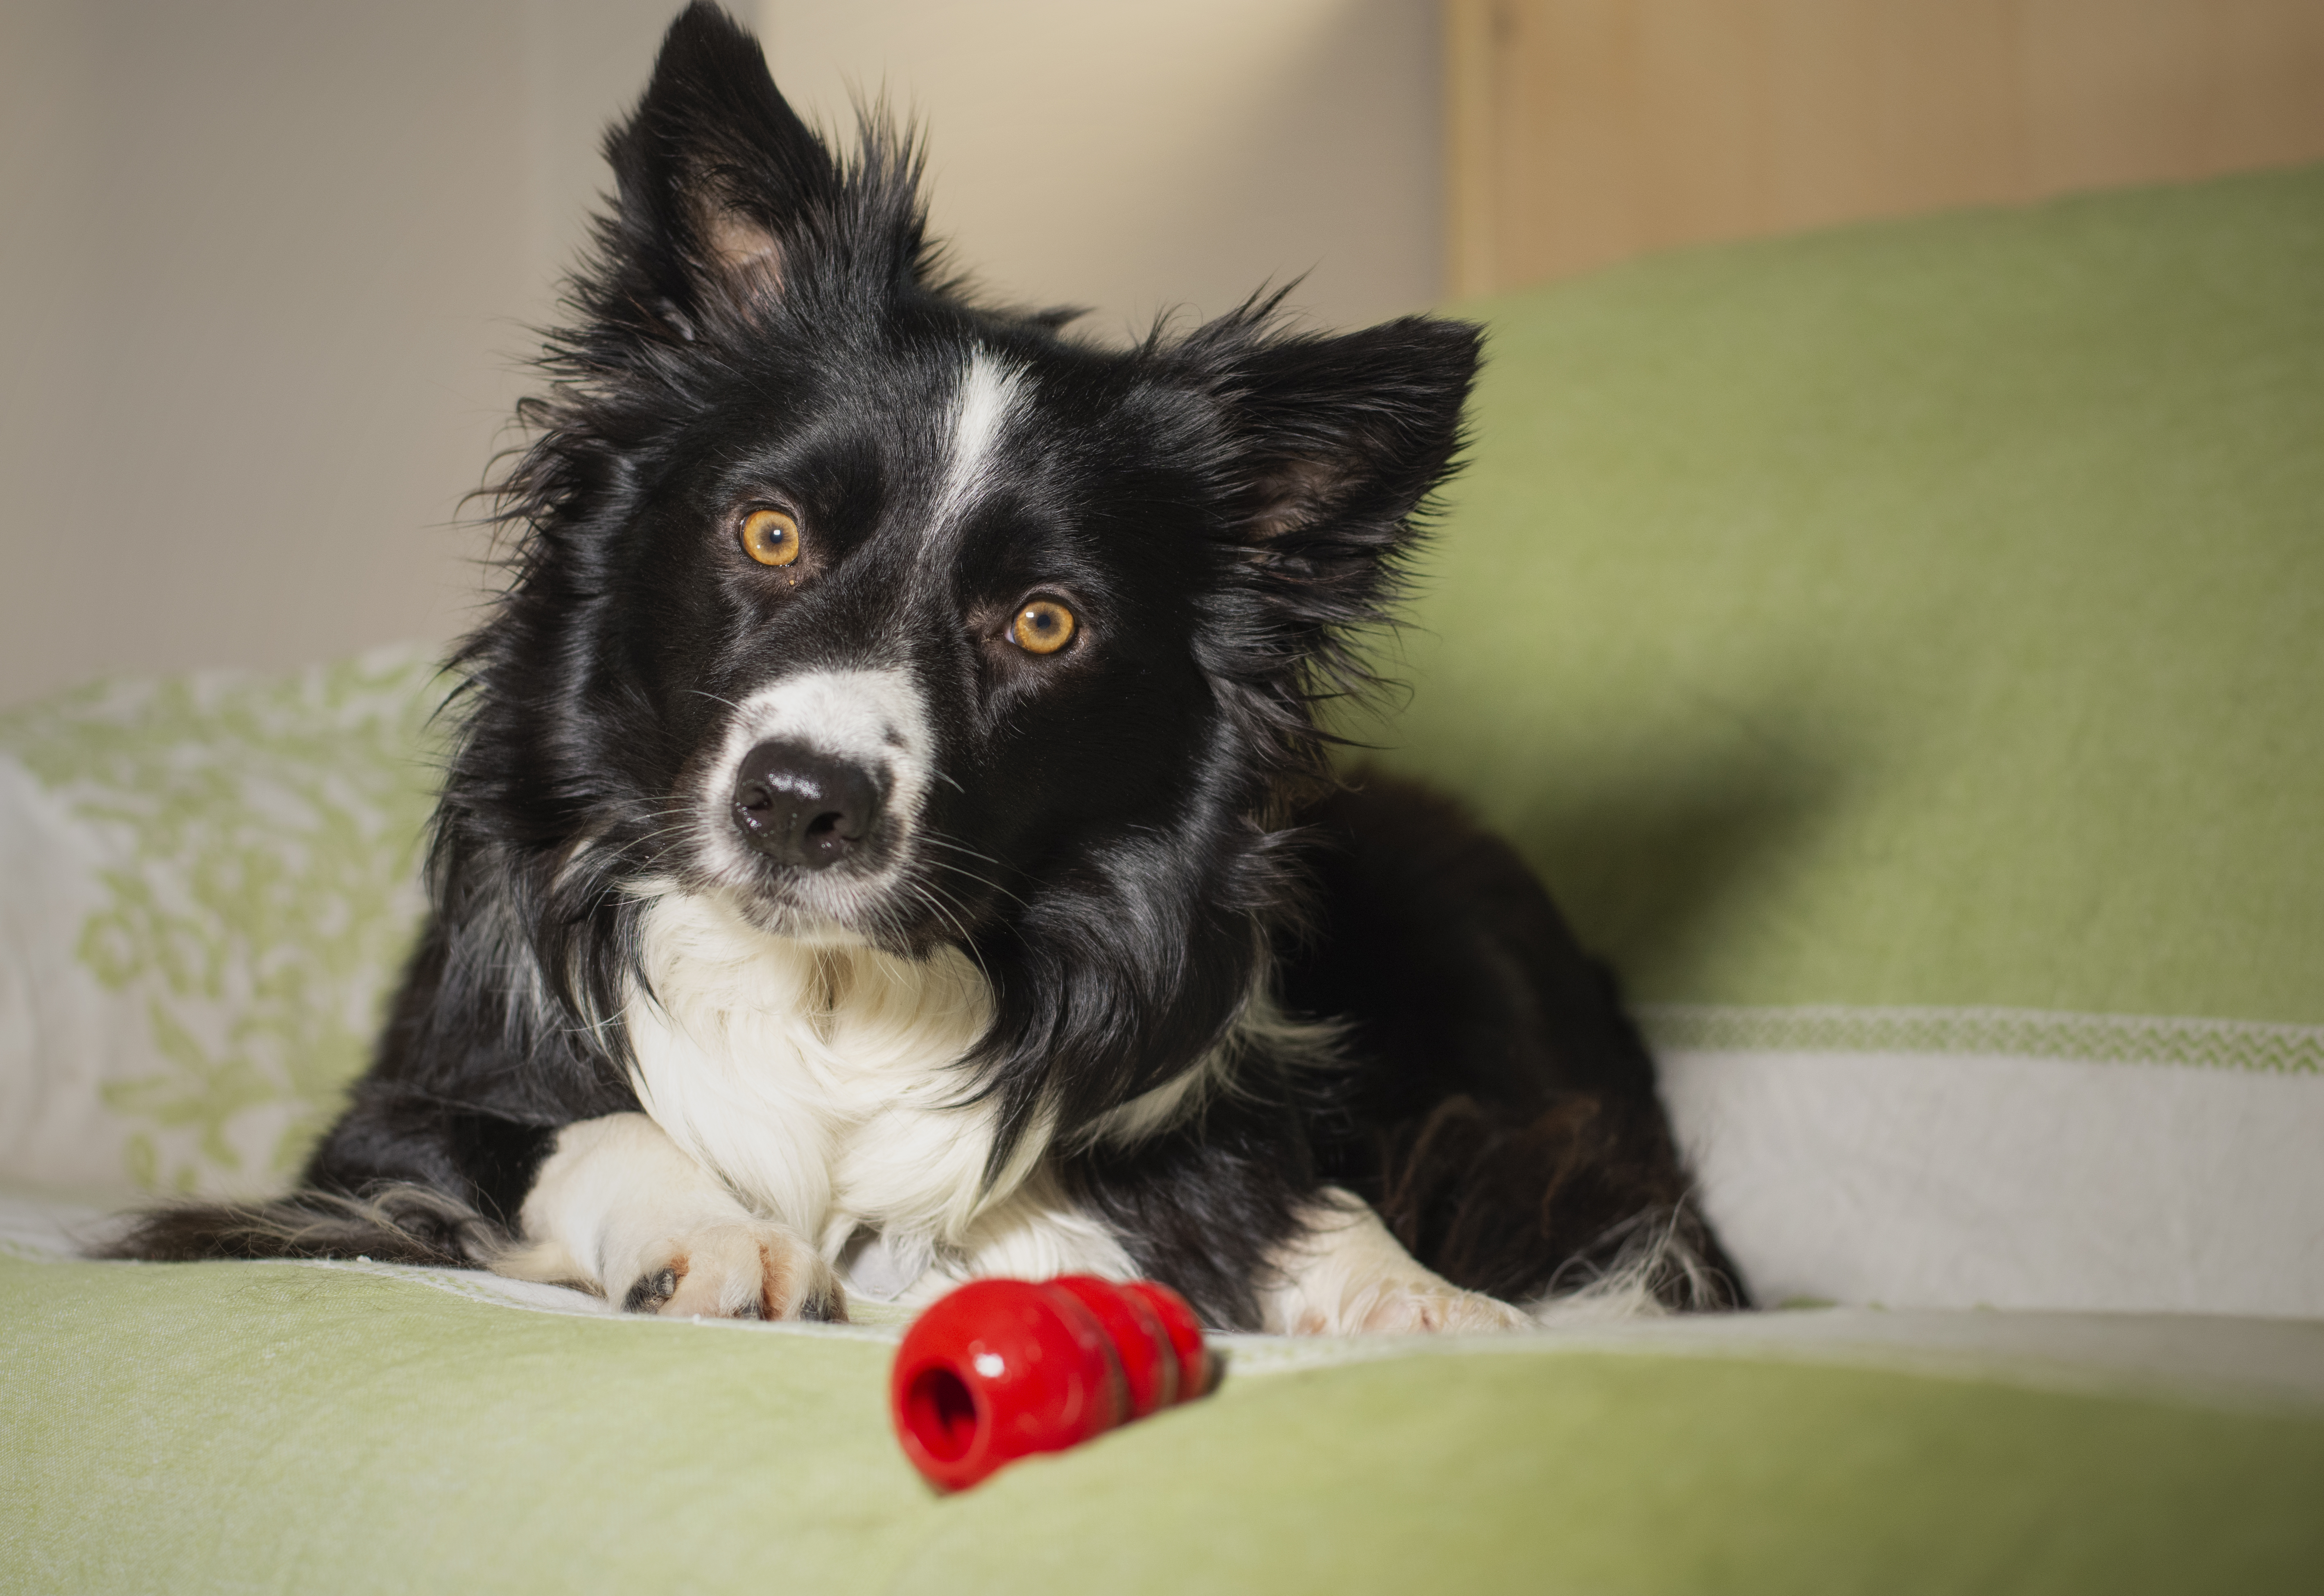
889	618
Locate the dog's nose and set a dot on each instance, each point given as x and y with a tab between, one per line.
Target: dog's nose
803	807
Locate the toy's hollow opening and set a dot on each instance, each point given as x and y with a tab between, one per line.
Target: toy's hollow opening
940	1413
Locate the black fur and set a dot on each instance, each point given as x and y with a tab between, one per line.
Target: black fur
1504	1118
1147	810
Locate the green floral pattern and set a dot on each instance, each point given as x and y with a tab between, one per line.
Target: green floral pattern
261	838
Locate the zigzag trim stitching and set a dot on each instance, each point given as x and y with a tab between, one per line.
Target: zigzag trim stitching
2023	1033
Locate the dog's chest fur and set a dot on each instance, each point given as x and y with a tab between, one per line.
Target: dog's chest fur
821	1082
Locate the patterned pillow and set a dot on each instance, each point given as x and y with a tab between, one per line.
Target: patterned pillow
211	882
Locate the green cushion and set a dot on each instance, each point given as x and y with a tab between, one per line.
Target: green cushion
1921	615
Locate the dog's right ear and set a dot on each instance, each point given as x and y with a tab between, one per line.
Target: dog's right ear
714	170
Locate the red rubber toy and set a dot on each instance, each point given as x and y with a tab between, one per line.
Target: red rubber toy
1001	1368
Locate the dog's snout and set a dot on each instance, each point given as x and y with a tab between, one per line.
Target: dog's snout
800	806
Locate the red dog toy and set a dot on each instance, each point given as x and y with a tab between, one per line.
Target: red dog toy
1001	1369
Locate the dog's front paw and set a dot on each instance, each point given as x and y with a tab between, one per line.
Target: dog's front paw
1426	1307
748	1270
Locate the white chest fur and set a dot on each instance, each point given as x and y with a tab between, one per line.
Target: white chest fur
820	1083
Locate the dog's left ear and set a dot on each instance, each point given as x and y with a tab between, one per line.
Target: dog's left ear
714	169
1341	439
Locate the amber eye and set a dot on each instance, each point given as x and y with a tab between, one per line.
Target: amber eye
1043	627
771	538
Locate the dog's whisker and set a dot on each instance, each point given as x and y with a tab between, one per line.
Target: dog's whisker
937	839
927	894
714	698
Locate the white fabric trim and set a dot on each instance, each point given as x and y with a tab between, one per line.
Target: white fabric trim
1953	1180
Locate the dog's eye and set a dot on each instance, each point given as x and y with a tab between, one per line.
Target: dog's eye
772	538
1043	627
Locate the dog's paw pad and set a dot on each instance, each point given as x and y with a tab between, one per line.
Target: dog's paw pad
652	1290
748	1271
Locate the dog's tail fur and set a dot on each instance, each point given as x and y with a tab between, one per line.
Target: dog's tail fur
391	1224
1657	1266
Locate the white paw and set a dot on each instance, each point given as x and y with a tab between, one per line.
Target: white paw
1426	1307
1347	1276
748	1270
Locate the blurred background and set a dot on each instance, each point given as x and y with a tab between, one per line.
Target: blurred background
268	266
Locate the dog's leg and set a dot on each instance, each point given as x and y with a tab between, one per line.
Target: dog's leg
1345	1274
1506	1117
617	1207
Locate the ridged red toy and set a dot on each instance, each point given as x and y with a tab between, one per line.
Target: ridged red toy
999	1370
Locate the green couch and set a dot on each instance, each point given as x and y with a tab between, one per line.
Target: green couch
1901	648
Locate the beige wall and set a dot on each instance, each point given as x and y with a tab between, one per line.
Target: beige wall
266	264
1137	157
264	268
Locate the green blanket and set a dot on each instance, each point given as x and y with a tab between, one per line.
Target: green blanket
289	1427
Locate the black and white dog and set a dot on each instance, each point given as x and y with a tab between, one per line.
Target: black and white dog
890	838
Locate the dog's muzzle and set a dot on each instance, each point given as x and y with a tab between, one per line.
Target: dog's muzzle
800	806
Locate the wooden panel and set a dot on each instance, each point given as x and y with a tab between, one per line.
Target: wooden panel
1582	131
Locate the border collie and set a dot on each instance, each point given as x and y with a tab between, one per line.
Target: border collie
891	838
